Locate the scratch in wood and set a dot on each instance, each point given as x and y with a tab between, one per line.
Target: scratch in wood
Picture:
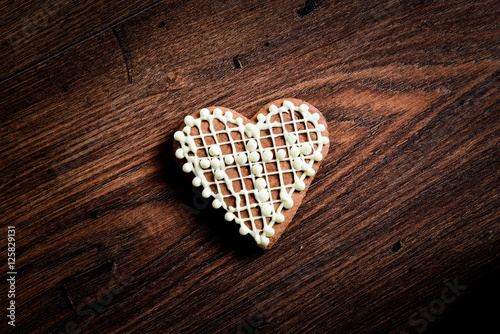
108	266
125	53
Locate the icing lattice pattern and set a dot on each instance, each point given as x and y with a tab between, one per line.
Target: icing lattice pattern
245	167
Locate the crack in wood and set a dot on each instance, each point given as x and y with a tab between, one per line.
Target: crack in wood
125	53
78	42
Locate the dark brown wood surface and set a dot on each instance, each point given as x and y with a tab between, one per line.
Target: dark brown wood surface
33	31
111	237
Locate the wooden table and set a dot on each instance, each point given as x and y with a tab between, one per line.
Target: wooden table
398	233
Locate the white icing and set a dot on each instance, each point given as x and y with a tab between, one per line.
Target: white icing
297	163
241	159
291	138
254	157
281	154
260	184
215	163
267	156
300	156
306	149
204	163
219	174
263	195
294	151
267	210
214	151
196	181
256	169
251	145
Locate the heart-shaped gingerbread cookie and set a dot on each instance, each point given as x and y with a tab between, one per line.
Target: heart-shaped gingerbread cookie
257	170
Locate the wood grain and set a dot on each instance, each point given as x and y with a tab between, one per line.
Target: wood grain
112	239
34	31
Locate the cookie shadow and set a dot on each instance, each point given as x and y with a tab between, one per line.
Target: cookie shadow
200	209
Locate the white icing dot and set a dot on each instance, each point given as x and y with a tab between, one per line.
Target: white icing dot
256	169
288	203
204	163
179	153
187	167
268	231
229	216
321	127
317	156
244	229
279	218
179	136
263	242
291	139
219	174
189	120
196	181
316	116
267	210
187	130
252	131
273	108
294	151
310	171
299	184
267	155
206	192
281	154
282	109
297	163
306	149
283	195
217	112
254	156
263	195
239	120
241	159
214	150
288	104
261	117
204	113
229	159
215	163
260	184
216	204
303	108
324	140
228	115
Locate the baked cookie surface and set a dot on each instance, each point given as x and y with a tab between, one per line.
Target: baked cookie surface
257	170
